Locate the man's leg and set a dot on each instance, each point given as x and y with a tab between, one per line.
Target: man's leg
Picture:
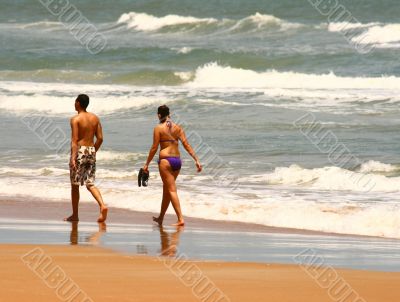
75	204
103	208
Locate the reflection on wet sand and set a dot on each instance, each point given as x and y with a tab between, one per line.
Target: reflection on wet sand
169	238
170	241
93	238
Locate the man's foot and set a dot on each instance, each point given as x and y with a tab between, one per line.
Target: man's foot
103	214
179	223
71	218
158	220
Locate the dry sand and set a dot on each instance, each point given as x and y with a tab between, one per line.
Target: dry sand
109	276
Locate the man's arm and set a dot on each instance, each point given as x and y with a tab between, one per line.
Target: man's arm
74	141
153	149
99	137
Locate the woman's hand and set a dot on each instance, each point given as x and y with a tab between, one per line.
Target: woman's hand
198	165
146	168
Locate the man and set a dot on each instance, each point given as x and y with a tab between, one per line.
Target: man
85	126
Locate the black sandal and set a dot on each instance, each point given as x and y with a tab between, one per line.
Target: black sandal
143	178
139	177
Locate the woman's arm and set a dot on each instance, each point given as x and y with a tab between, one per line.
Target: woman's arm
189	149
153	149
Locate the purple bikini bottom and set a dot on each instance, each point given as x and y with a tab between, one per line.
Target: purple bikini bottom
175	162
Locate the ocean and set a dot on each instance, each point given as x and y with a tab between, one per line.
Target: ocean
248	79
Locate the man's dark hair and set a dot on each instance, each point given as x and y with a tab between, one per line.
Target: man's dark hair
83	100
163	111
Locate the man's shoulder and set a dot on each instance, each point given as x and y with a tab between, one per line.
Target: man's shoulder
74	118
94	116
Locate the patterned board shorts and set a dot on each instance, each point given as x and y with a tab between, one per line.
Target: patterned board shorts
85	172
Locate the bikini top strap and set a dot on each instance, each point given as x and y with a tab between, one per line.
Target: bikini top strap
169	123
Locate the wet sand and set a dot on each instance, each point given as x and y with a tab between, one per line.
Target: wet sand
88	212
35	209
133	233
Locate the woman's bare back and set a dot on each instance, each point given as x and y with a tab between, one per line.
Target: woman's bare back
169	139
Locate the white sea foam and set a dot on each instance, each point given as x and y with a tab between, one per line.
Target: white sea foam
261	19
58	99
42	24
272	207
184	50
376	166
64	105
332	178
54	172
340	208
109	155
146	22
220	102
26	172
379	35
345	26
214	75
102	155
374	33
184	75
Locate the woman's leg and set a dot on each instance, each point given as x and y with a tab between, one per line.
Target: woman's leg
168	177
166	199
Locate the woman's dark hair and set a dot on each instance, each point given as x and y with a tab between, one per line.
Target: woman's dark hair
163	111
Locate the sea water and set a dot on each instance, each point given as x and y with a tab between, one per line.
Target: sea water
237	75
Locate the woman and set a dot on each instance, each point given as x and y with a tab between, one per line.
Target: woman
168	134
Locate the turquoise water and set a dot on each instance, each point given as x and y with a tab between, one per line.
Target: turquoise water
290	36
238	74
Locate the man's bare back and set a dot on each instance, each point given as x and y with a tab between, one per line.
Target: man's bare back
85	126
89	126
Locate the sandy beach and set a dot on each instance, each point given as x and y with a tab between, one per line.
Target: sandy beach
130	260
104	275
270	131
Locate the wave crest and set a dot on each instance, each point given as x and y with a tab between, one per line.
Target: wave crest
146	22
377	34
21	98
334	178
214	75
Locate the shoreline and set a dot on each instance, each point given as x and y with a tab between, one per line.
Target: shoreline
133	233
57	210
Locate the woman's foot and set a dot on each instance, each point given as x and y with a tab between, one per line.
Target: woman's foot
71	218
103	214
179	223
158	220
